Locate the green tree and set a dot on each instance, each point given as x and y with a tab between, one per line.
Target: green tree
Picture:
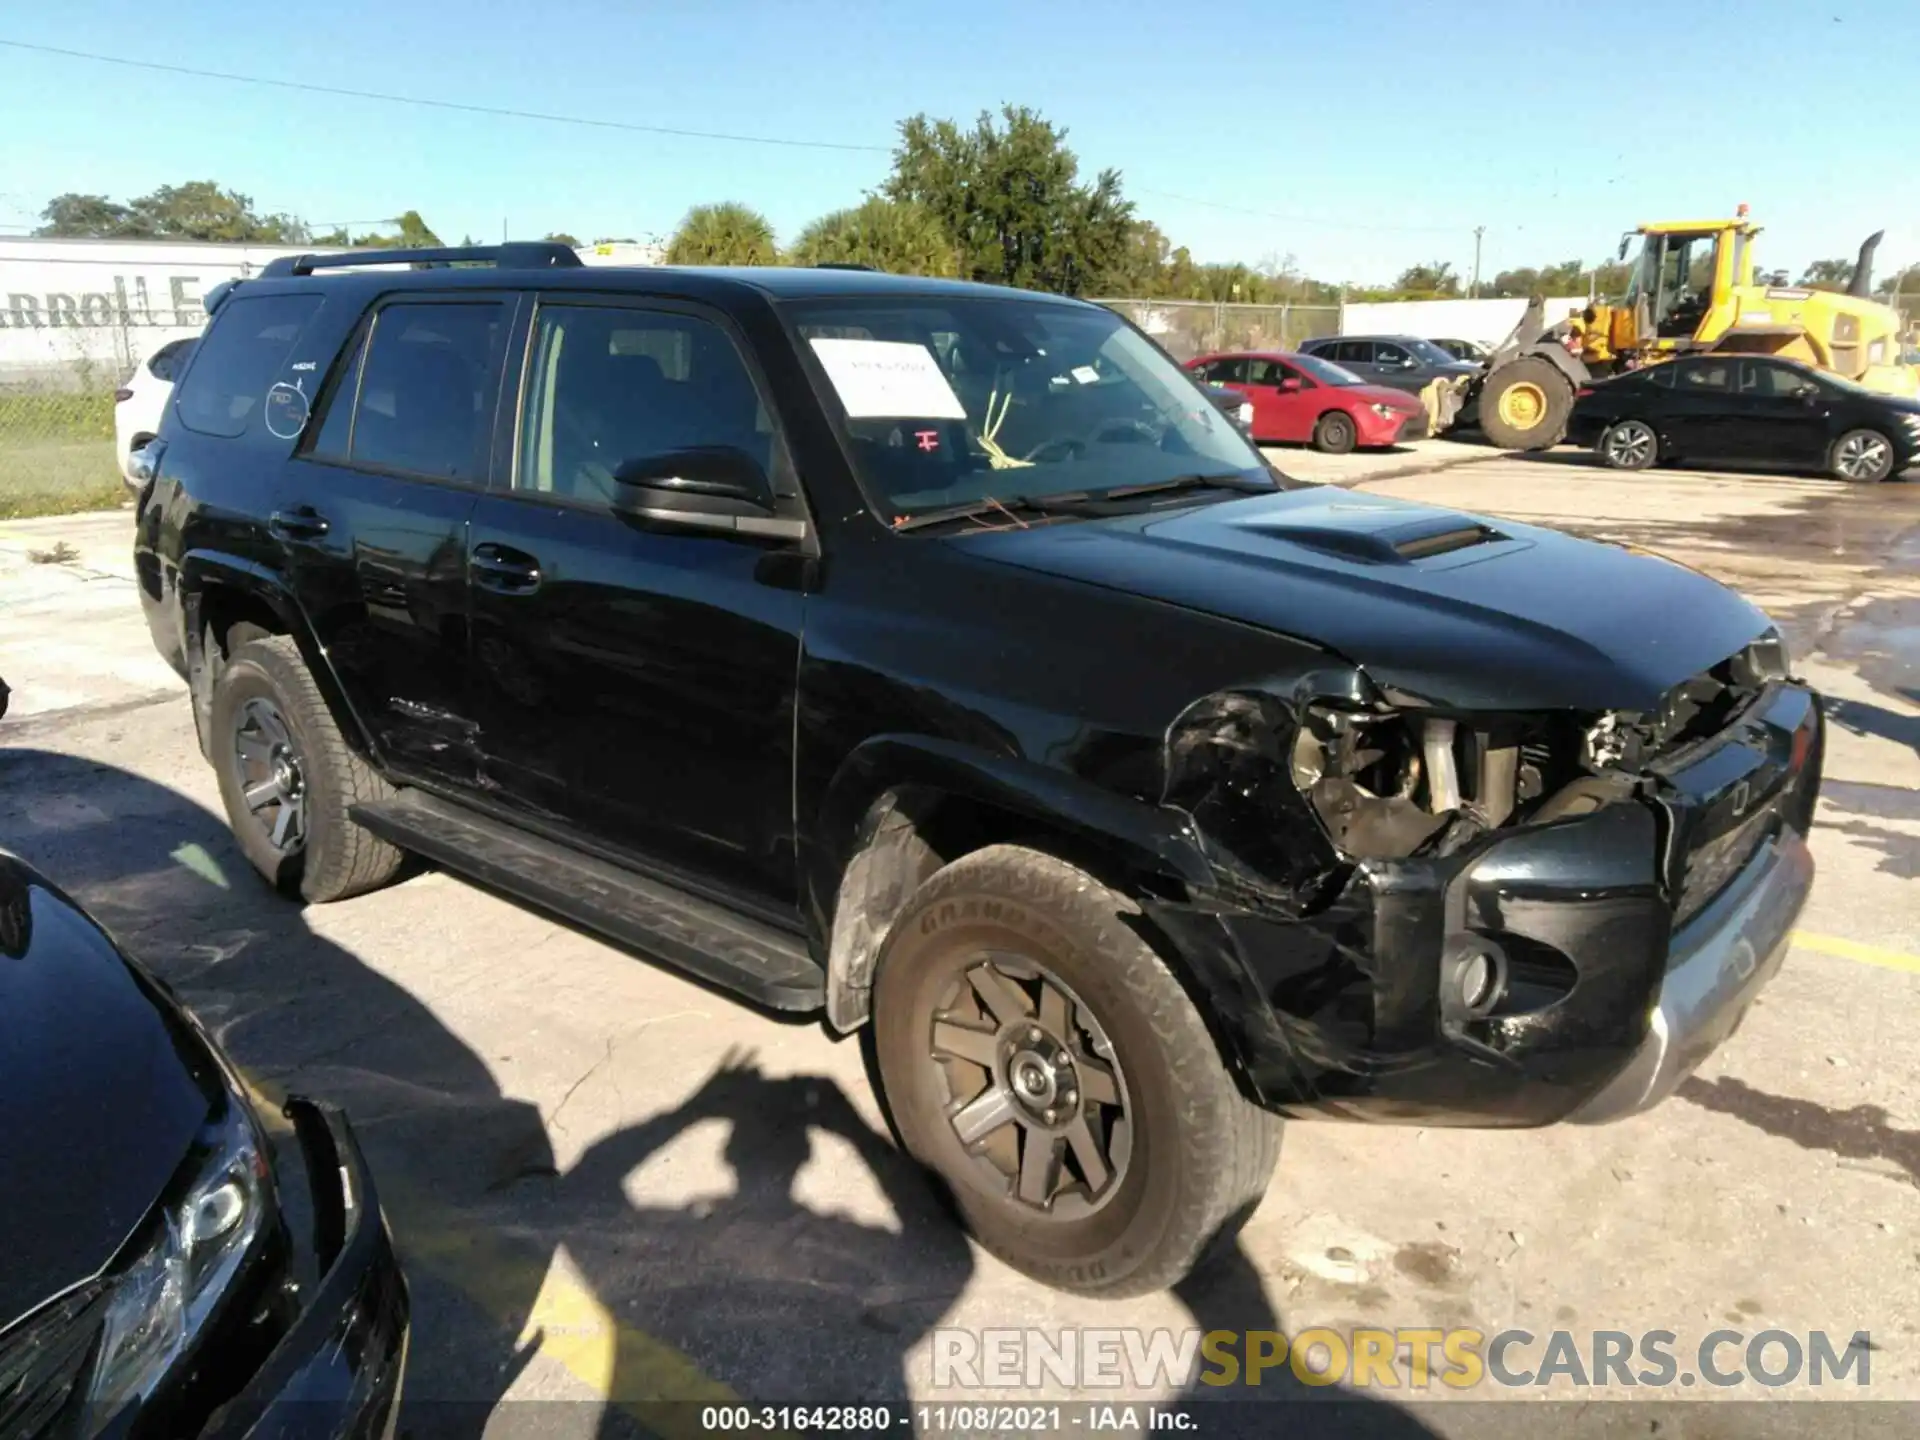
1010	196
560	237
197	210
1828	275
84	217
725	234
893	235
1435	281
1569	277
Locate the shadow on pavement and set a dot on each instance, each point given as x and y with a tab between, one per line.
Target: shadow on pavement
763	1293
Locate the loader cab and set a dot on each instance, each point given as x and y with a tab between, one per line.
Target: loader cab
1683	272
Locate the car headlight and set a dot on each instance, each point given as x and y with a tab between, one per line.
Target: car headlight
1384	411
192	1248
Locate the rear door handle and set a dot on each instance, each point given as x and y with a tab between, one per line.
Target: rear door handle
301	522
503	570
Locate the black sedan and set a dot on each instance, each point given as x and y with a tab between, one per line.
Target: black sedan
153	1283
1747	409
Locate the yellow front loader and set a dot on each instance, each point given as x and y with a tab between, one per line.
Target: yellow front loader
1693	287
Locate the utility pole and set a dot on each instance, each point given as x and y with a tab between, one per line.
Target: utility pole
1473	291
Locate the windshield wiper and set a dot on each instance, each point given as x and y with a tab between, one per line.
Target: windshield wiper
1007	507
1081	503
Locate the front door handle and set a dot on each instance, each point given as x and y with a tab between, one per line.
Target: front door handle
503	570
301	522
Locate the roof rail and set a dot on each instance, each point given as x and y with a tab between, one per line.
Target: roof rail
516	255
847	265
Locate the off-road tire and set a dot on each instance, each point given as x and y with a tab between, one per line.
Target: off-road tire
1202	1152
338	859
1556	405
1335	433
1881	470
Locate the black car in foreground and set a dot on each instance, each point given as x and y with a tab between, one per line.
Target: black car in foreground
153	1285
935	658
1746	409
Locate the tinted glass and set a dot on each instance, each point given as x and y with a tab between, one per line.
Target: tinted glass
1704	376
1661	375
168	361
1227	372
237	362
1031	398
1387	354
1430	352
336	422
424	387
612	385
1770	382
1269	372
1325	372
1353	352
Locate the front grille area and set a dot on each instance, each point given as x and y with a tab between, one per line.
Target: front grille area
43	1364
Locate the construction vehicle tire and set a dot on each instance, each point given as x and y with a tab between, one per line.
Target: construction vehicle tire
1525	405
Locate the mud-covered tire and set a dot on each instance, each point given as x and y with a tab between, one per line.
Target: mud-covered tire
1861	457
1335	433
335	859
1541	422
1201	1153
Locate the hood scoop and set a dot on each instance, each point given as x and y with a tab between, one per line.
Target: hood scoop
1359	535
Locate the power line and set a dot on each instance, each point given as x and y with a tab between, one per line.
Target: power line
1309	219
456	105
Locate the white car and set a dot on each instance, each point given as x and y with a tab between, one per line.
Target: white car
138	405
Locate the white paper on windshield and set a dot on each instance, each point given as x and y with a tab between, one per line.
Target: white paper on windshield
888	380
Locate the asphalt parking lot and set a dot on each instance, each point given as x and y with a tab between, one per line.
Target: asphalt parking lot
610	1184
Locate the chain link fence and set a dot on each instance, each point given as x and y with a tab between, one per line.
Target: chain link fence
57	445
1186	328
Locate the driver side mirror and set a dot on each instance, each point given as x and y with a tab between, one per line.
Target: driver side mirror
703	487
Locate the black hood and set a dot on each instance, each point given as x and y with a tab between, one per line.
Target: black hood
1455	609
101	1093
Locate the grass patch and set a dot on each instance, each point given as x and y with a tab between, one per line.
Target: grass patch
57	477
38	415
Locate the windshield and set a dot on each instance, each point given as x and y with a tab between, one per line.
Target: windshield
1325	371
1431	353
952	400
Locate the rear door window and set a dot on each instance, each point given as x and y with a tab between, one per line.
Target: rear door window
417	394
1704	377
226	384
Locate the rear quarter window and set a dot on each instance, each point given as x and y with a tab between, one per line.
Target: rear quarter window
226	382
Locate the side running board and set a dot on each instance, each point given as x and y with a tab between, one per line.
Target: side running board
687	932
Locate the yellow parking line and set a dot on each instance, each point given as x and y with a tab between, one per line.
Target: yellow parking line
1856	950
567	1320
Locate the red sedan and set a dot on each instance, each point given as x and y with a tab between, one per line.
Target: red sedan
1304	399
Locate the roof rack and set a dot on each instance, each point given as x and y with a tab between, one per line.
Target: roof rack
517	255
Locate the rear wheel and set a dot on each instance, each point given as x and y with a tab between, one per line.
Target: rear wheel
1525	405
288	777
1629	445
1336	433
1863	456
1040	1057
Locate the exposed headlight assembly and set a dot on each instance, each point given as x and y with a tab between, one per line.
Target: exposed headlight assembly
190	1252
1383	410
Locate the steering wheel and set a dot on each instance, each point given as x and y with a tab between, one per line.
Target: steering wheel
1108	432
1061	447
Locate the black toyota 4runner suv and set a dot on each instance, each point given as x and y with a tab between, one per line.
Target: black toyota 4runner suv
938	658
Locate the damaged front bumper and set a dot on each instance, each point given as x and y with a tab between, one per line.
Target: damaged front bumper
1366	1008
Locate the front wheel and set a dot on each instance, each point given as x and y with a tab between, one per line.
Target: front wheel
1862	456
1525	405
1039	1056
1335	434
1629	445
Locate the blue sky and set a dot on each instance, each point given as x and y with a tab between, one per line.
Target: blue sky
1370	136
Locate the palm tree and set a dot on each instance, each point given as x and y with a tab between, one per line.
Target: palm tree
901	236
725	234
